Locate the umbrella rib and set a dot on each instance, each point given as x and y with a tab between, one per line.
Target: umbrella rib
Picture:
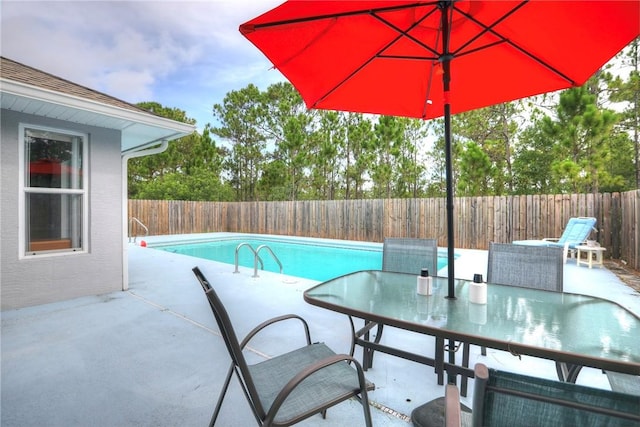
410	57
416	58
341	82
311	42
431	75
487	46
490	29
406	34
248	28
541	62
400	32
486	28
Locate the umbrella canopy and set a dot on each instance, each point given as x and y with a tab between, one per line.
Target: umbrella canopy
426	59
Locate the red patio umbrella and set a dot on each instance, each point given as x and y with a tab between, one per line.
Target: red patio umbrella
426	59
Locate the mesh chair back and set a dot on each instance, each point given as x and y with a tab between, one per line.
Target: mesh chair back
539	267
231	341
509	399
407	255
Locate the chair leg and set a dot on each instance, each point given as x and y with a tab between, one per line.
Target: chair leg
367	353
465	363
223	392
377	341
367	412
364	401
353	337
439	363
451	348
439	360
567	372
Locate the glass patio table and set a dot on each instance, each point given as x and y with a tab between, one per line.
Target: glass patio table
572	330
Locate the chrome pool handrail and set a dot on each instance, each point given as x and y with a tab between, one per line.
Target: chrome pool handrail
136	220
255	264
255	254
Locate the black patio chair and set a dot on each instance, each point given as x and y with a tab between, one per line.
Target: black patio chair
293	386
510	399
400	255
537	267
408	255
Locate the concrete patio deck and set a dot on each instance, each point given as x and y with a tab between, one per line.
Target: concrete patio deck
152	356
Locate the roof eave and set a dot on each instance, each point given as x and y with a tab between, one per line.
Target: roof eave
164	128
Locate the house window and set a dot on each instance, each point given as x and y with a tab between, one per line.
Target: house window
53	191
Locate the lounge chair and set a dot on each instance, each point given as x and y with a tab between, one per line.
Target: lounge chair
574	234
510	399
401	255
293	386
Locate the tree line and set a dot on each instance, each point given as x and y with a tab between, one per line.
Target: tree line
267	146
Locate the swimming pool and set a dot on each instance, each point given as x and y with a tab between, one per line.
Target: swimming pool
315	259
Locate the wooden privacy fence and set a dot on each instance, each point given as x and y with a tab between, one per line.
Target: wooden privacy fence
478	220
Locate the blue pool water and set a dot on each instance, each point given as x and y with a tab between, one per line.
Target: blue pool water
301	259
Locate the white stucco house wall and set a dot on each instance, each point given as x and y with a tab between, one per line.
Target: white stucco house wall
63	189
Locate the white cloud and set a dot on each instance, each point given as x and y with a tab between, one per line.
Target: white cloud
140	50
136	85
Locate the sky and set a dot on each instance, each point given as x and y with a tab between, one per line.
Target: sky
181	54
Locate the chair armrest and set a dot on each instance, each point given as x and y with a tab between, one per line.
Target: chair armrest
272	321
452	415
306	373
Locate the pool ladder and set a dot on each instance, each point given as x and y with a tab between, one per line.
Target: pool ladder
256	257
133	220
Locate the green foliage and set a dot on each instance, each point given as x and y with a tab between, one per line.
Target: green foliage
203	184
273	182
534	155
240	116
358	155
323	147
475	171
627	91
580	137
287	125
494	129
271	147
189	169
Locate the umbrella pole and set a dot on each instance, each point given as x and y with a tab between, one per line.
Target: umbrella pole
451	378
446	79
449	179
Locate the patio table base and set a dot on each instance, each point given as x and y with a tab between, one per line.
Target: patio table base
431	414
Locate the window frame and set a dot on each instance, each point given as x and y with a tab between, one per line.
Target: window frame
23	244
